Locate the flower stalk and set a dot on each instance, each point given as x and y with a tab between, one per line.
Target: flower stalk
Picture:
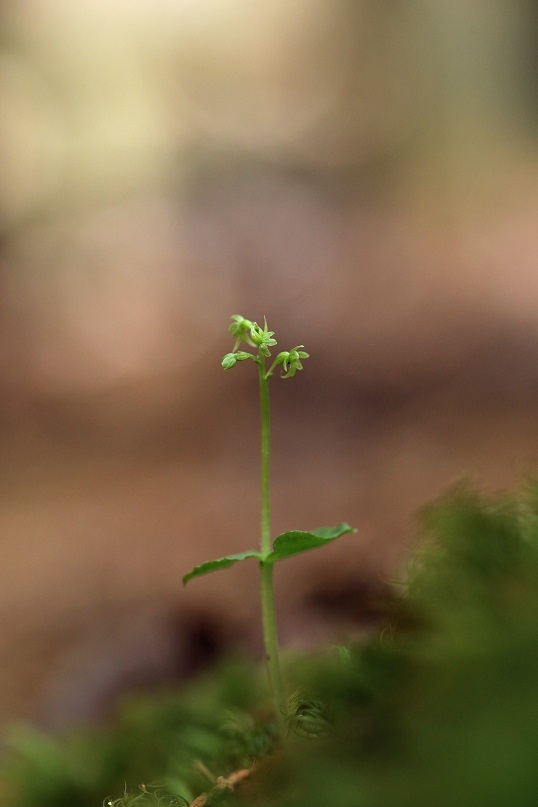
270	635
289	543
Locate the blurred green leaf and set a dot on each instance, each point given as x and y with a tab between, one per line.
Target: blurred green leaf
292	543
220	563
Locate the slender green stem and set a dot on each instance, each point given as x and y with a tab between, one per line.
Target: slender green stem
270	640
265	456
266	569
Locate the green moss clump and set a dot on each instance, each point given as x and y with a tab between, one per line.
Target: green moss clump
443	712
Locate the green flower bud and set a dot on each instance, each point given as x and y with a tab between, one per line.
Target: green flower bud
229	361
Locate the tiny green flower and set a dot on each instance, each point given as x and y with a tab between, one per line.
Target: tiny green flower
262	338
240	330
281	358
292	362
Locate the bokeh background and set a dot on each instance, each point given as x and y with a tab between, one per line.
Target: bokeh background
364	174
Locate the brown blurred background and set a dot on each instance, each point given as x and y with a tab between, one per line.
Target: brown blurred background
364	174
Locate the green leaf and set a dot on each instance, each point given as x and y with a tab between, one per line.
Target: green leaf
221	563
291	543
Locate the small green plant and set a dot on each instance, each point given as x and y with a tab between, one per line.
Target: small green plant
288	543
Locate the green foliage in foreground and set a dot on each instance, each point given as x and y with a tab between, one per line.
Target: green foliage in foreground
439	707
445	713
162	741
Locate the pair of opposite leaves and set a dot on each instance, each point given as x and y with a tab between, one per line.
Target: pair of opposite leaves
284	546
